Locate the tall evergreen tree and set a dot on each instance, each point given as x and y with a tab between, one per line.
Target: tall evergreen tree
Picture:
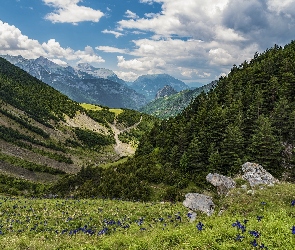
265	147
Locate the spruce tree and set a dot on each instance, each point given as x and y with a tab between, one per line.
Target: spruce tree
266	148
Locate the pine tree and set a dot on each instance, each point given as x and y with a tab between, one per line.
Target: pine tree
265	147
233	149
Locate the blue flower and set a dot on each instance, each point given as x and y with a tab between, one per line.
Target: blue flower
200	226
254	243
259	218
293	203
239	237
263	203
254	233
293	230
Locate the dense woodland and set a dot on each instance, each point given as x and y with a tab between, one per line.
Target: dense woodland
248	116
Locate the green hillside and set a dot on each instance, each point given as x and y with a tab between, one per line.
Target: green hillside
172	105
248	116
44	135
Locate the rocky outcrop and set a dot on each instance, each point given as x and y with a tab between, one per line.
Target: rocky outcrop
166	91
255	174
223	183
199	202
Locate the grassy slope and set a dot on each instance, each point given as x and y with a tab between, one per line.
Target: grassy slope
170	106
47	224
38	132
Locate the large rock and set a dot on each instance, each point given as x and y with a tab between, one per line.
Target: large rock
199	202
257	175
223	183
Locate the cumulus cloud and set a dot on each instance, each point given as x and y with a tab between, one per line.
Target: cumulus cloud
143	64
130	14
221	33
88	56
13	42
68	11
115	33
128	76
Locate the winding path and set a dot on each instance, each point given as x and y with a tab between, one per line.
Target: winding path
121	148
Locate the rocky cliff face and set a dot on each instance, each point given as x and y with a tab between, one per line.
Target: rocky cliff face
166	91
82	84
149	85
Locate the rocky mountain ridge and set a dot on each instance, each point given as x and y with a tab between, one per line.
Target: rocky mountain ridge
149	85
82	84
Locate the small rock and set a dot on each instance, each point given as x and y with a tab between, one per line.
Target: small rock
244	187
223	183
199	202
250	192
192	216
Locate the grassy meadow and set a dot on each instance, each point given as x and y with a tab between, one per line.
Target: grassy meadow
93	107
242	220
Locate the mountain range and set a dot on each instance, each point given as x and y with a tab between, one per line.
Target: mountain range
84	84
149	85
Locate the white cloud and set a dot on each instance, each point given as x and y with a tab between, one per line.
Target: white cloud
130	14
68	11
110	49
115	33
88	56
222	33
129	76
144	64
13	42
59	62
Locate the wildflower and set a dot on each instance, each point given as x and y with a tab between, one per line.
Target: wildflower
263	203
262	246
239	237
254	243
254	233
236	224
200	226
293	230
259	218
293	203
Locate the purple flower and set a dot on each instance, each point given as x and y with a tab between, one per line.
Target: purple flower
200	226
254	243
259	218
293	230
254	233
239	237
293	203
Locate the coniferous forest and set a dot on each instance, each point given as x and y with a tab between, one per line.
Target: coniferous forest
248	116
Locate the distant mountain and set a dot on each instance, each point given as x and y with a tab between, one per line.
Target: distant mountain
82	84
149	85
166	91
170	105
100	72
45	135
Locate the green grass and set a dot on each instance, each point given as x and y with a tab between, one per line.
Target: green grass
88	106
47	223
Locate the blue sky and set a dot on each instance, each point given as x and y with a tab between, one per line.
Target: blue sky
192	40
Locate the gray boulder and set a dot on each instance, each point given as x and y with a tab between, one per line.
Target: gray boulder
199	202
223	183
255	174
